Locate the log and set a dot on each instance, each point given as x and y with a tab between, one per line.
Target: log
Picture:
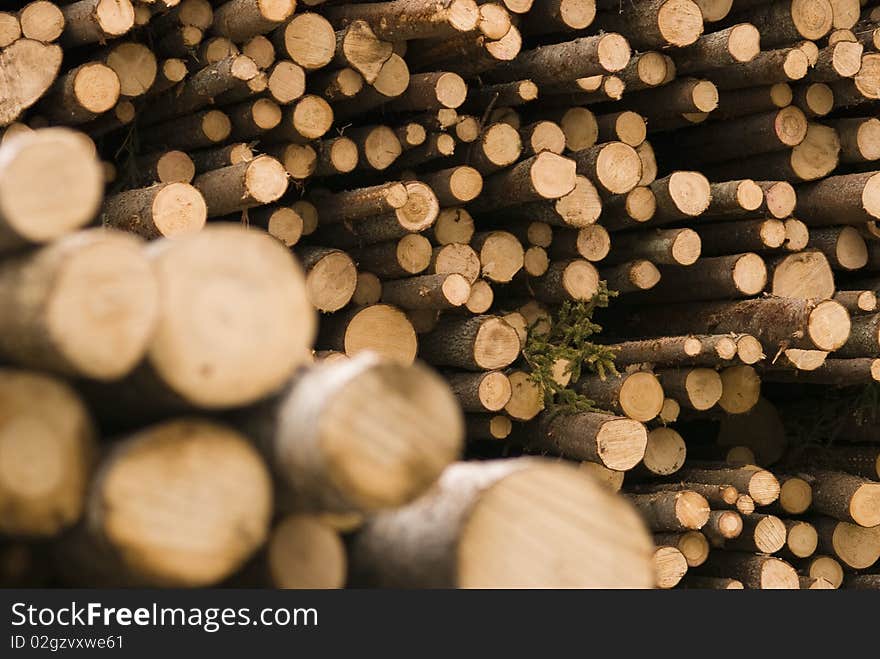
591	243
848	199
380	328
637	395
168	536
489	427
859	139
741	389
402	20
790	20
840	60
553	16
753	571
580	208
346	206
41	20
165	209
480	343
806	275
801	539
325	463
304	551
758	483
614	167
735	45
195	131
767	68
657	23
723	526
776	322
693	388
670	566
719	277
632	277
672	511
50	184
79	271
239	20
665	452
816	99
556	63
527	399
331	277
237	187
615	442
224	156
692	545
571	279
826	568
746	136
480	392
854	546
680	196
82	94
846	497
448	553
95	21
741	236
280	222
307	119
56	458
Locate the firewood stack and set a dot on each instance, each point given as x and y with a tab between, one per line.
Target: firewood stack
454	180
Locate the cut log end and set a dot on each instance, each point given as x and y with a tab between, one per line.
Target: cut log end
829	325
641	396
691	510
305	552
496	344
665	452
670	566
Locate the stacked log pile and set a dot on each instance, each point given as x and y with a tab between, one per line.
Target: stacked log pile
271	270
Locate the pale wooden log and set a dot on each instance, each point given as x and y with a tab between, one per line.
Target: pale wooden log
683	95
848	199
308	40
816	99
163	210
754	100
719	277
95	21
859	139
544	176
549	16
841	60
50	184
402	20
656	23
446	553
763	534
661	247
368	289
167	536
478	343
746	136
358	47
572	279
336	85
854	546
785	22
325	463
41	21
824	567
627	127
439	291
693	388
741	236
199	13
237	187
579	209
767	68
617	443
646	70
665	452
801	540
360	203
72	273
758	483
180	43
505	94
239	20
591	243
308	118
331	277
737	44
169	72
630	210
195	131
637	395
81	94
489	427
844	247
458	258
632	276
585	56
758	572
380	328
224	156
814	158
304	551
498	146
776	322
680	196
453	225
614	167
670	565
57	456
395	259
723	526
672	511
480	392
281	222
858	301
